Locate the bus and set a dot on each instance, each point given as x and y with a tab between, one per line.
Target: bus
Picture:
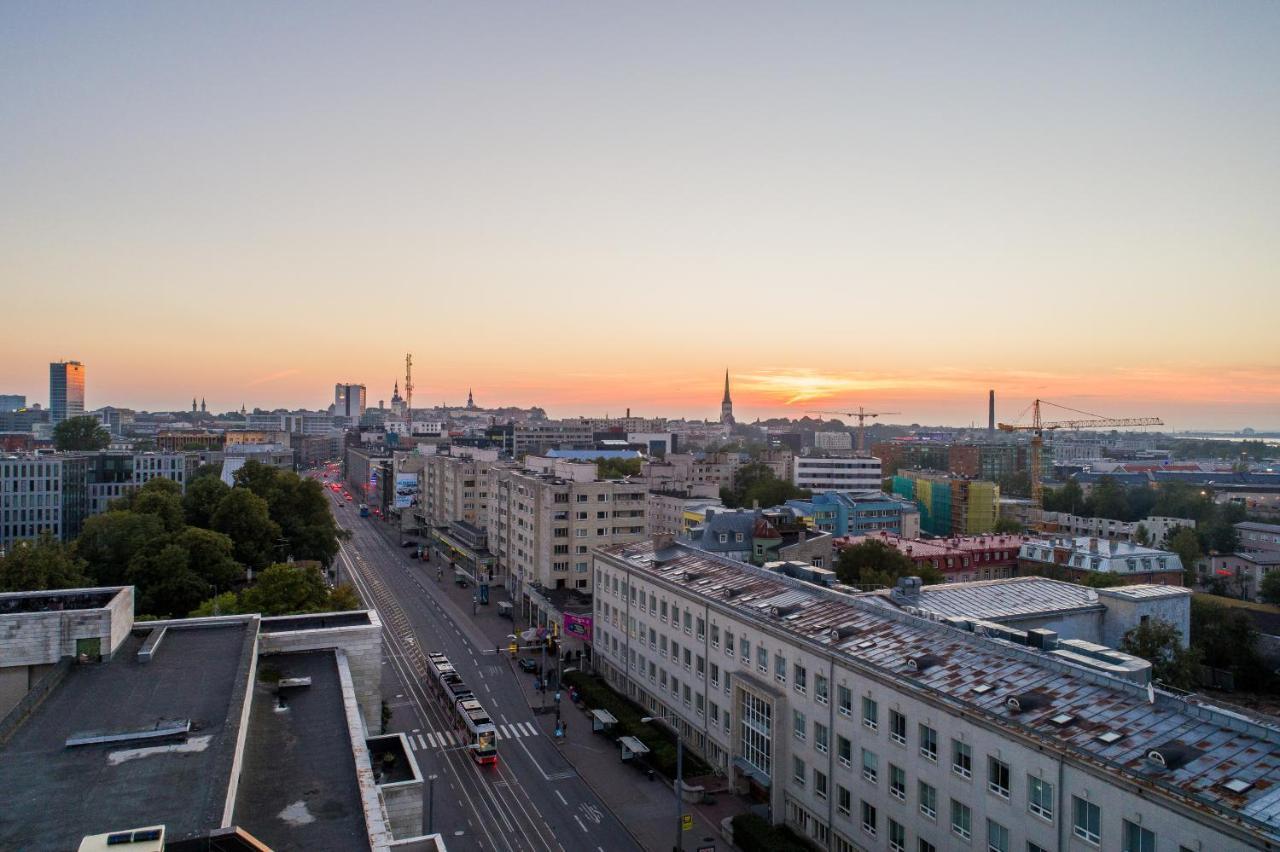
364	510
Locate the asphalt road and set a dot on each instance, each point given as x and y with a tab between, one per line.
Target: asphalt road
532	799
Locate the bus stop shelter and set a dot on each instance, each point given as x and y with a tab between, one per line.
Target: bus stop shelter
632	747
602	720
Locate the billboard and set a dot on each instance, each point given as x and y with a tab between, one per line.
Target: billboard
578	626
406	490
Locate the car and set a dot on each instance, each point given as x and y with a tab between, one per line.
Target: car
528	664
408	543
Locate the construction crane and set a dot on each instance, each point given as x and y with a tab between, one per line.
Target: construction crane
1037	427
862	415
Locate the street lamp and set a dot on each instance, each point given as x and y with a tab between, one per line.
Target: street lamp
431	803
679	847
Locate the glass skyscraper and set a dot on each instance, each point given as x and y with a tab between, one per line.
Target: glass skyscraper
66	390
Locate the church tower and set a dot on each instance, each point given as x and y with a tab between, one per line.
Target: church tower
726	406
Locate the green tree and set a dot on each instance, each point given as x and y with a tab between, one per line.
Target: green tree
755	484
285	589
1184	542
1228	639
243	516
1069	498
617	468
344	598
298	506
45	563
227	603
211	556
1107	500
1269	588
1142	535
163	498
873	562
1160	642
1007	526
204	493
110	541
80	433
165	584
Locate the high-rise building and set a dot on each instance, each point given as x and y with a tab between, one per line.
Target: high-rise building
348	401
66	390
12	401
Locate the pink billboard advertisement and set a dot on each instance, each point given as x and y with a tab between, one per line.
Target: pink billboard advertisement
578	626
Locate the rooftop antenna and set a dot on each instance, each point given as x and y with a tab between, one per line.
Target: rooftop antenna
408	392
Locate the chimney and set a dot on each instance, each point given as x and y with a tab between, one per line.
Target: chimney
1093	545
804	536
991	412
662	540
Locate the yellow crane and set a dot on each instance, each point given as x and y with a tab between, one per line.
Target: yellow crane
862	416
1037	427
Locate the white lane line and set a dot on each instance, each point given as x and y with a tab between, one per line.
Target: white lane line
580	825
506	731
563	800
528	729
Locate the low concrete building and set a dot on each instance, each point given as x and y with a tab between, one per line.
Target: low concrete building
1239	574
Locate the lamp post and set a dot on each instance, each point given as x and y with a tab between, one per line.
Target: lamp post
679	847
431	803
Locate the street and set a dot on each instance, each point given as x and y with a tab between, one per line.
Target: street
532	799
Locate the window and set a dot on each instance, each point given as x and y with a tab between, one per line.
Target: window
728	643
926	846
820	737
715	636
799	725
928	799
1035	847
897	782
897	837
1135	838
961	820
779	668
844	698
870	766
928	743
844	799
997	837
998	777
870	714
1086	820
1040	797
819	784
844	750
961	759
744	650
797	771
820	688
897	727
869	818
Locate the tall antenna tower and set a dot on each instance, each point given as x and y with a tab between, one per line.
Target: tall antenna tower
408	391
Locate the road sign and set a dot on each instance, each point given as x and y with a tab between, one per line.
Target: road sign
686	821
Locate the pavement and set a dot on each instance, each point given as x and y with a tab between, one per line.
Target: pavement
645	808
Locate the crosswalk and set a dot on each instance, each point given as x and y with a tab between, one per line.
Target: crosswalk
452	739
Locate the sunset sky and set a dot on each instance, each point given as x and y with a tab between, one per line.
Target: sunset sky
591	206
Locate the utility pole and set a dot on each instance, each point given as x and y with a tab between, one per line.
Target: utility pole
408	393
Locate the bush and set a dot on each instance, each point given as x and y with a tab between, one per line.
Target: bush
752	833
661	741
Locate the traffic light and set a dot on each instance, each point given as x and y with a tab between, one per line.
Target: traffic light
512	648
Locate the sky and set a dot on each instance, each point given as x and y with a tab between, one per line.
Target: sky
596	206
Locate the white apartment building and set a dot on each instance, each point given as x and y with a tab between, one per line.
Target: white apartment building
1157	527
544	519
832	441
830	474
867	729
677	512
455	487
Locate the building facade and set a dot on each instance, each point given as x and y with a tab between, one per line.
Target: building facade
66	390
1078	557
349	401
837	474
866	729
859	513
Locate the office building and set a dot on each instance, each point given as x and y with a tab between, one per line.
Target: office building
833	441
66	390
865	727
454	486
837	474
42	494
12	401
349	402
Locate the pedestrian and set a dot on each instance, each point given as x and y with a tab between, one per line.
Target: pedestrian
564	726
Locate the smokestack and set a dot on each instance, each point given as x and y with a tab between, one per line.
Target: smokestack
991	412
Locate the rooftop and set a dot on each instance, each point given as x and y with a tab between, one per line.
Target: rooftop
74	599
299	787
997	600
55	794
978	675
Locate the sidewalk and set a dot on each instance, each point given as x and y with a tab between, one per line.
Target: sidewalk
647	808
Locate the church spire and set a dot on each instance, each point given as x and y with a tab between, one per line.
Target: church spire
726	400
726	406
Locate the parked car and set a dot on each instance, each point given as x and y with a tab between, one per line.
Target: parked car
527	664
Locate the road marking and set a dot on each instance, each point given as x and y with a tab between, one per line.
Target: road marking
580	825
413	745
529	729
563	800
431	738
422	741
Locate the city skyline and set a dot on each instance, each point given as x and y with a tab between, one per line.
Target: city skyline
900	207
